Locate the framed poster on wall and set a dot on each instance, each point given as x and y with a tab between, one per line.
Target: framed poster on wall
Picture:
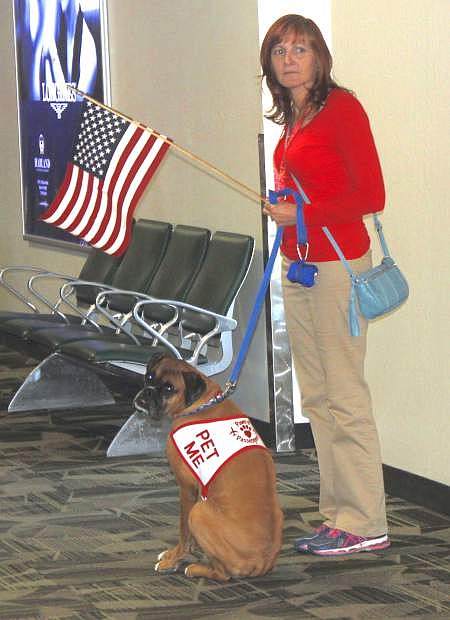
59	43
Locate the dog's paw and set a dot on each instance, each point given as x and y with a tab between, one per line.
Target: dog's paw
165	571
205	570
168	562
159	566
179	567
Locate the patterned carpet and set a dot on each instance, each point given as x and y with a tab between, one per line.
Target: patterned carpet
79	535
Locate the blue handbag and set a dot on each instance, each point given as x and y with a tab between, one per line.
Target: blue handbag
377	291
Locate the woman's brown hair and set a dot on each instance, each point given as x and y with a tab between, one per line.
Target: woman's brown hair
298	26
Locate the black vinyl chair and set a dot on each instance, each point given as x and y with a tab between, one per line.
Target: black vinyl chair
218	284
182	262
99	267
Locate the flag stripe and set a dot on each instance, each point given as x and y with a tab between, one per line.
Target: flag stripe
85	214
71	197
60	194
126	187
78	202
120	243
130	197
64	195
97	216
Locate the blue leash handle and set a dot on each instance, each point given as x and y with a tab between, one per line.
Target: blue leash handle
273	199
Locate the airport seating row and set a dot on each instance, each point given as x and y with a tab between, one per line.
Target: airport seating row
172	292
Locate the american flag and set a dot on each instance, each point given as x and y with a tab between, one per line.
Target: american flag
112	162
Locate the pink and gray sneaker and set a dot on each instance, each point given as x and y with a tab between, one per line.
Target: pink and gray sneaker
338	542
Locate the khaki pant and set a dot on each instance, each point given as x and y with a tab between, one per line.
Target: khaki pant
329	363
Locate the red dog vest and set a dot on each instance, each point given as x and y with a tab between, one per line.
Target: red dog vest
208	445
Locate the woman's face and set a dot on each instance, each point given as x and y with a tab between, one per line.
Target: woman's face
294	63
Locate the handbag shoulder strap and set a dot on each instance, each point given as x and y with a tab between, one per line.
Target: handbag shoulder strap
337	249
381	238
301	191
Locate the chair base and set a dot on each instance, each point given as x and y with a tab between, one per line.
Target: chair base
140	435
59	382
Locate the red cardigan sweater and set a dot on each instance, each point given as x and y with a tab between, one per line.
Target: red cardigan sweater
335	160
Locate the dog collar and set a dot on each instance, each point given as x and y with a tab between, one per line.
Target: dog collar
219	397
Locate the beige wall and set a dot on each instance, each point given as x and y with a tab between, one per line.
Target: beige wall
192	73
394	54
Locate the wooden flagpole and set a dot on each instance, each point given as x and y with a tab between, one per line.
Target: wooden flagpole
217	171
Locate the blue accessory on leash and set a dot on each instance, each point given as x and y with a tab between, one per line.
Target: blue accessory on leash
300	271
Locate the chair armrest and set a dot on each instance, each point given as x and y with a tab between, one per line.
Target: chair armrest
221	323
102	305
5	274
48	275
104	298
68	289
160	325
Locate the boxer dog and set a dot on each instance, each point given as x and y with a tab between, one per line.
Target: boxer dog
226	476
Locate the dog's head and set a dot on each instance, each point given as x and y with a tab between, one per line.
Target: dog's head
170	386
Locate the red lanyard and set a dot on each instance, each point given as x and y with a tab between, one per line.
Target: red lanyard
282	176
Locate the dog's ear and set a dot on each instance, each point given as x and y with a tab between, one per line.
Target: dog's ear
153	361
195	386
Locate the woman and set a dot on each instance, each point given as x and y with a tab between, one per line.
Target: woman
327	145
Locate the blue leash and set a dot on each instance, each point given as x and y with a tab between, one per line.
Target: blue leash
256	310
236	371
231	384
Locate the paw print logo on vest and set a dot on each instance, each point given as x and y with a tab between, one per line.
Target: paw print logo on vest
242	430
